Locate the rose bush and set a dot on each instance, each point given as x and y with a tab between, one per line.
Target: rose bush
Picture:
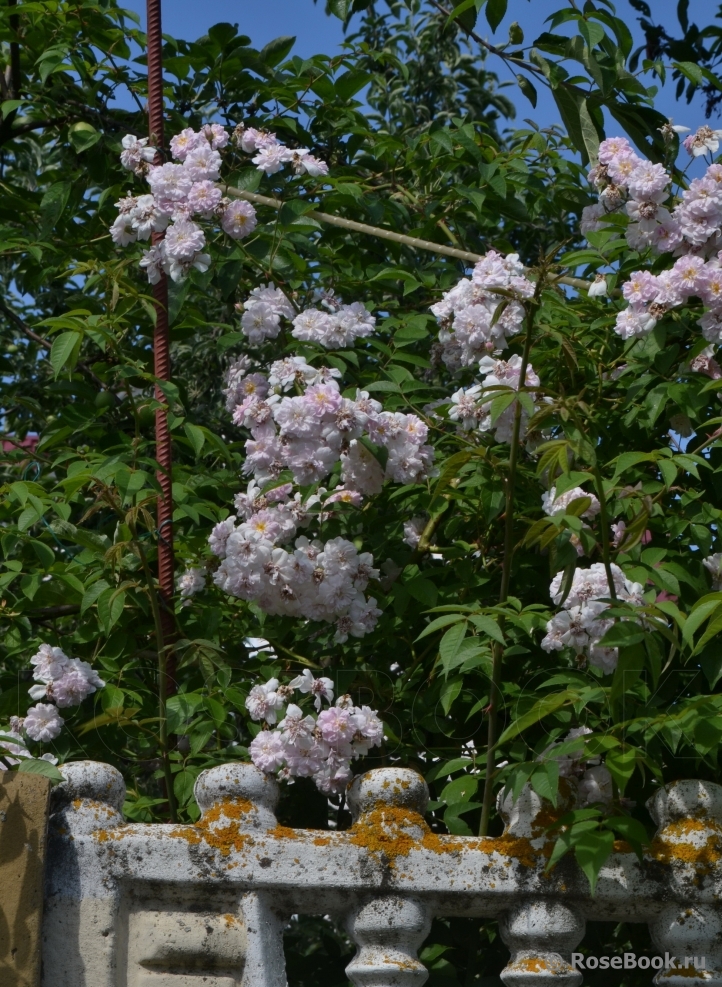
456	514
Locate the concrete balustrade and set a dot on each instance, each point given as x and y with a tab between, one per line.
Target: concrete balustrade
135	905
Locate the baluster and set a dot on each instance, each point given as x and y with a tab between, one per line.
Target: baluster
541	933
388	805
89	799
388	931
541	936
688	845
81	902
237	799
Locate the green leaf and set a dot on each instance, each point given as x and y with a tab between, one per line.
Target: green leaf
92	593
249	180
495	12
712	665
348	84
488	626
439	622
443	768
177	294
592	32
569	105
451	642
53	204
466	11
542	708
195	436
27	518
460	790
592	851
37	766
562	846
703	609
443	139
64	351
44	553
545	780
200	735
180	709
623	633
112	698
516	34
691	71
11	700
668	470
9	106
275	51
341	8
110	608
589	132
216	709
621	764
629	668
630	830
183	786
83	136
423	590
528	89
500	403
449	693
80	536
578	506
455	825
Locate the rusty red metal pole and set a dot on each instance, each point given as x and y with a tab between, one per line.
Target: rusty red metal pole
161	345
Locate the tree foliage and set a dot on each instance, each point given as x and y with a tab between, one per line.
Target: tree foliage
419	138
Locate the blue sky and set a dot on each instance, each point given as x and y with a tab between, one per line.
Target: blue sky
317	33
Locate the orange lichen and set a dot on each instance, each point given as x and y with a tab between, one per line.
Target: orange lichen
322	841
283	833
674	844
687	971
545	818
401	964
532	964
392	832
515	847
385	831
223	838
621	846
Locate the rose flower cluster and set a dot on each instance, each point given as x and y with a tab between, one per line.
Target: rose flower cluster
308	434
183	193
476	319
303	747
64	682
580	623
337	327
688	227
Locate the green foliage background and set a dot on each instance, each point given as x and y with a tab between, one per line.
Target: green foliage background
420	138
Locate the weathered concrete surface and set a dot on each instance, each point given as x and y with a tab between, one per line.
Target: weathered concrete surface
23	825
184	906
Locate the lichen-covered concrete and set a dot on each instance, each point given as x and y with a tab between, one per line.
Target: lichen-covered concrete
120	897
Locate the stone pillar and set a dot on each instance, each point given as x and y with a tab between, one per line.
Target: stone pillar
241	794
541	936
541	933
389	929
687	845
23	828
81	902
